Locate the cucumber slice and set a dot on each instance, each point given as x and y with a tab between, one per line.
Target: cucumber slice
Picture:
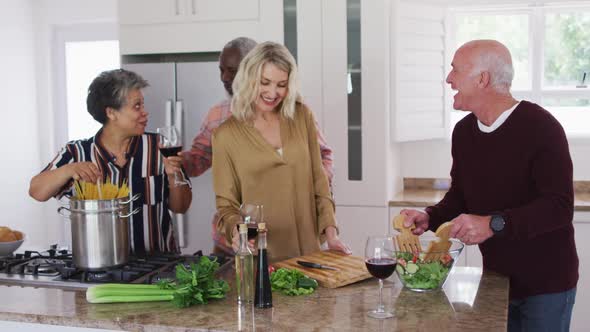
400	269
412	268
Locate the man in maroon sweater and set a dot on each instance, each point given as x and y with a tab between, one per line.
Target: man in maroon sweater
511	190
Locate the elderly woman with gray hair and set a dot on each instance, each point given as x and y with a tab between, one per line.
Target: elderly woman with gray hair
122	151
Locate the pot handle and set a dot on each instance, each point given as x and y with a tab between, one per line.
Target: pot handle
60	211
132	199
130	213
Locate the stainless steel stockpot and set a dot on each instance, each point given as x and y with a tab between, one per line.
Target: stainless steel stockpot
100	232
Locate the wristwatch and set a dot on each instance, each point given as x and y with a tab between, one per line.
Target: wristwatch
497	224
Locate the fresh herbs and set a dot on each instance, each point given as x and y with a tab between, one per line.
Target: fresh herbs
292	282
196	285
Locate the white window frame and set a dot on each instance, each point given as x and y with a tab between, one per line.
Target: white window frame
536	13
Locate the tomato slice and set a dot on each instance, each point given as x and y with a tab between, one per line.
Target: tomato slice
271	269
446	259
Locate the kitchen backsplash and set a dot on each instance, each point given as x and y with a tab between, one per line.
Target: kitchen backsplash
580	187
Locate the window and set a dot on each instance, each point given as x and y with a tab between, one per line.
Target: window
80	53
550	47
84	61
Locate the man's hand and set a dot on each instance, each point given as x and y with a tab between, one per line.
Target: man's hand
418	218
471	229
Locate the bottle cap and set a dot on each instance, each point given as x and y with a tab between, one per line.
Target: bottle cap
261	226
243	228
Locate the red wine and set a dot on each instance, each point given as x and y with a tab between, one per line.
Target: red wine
171	151
252	230
381	268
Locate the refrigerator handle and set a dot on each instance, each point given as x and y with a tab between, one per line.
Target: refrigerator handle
180	228
178	119
178	123
168	113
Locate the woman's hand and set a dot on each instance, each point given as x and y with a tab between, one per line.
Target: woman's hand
235	241
85	171
172	165
334	242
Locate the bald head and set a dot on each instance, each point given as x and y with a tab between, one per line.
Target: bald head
490	56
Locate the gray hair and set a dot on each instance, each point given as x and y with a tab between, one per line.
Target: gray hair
110	89
501	71
243	44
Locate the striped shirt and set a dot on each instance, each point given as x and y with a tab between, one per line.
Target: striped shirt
151	228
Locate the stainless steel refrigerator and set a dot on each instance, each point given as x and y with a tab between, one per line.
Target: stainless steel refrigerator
181	94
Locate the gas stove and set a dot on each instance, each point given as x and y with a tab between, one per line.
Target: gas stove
54	268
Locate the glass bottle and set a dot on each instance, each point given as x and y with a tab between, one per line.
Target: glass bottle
263	294
244	268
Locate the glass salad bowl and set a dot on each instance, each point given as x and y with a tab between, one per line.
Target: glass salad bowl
425	272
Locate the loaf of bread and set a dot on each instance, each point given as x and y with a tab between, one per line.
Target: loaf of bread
8	235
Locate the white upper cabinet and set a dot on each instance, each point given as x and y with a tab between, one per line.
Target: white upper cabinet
418	65
185	26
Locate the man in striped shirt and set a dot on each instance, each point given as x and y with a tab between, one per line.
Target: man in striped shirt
197	160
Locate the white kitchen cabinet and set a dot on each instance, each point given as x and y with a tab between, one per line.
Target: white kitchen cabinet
186	26
356	224
418	71
174	11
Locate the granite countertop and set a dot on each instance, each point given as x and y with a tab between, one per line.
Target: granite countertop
419	197
471	300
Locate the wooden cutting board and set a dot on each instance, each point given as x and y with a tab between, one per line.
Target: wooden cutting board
351	268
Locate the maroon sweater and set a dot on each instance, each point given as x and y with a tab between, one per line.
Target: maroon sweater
523	171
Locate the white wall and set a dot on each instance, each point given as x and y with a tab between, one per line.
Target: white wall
27	142
49	16
19	139
438	163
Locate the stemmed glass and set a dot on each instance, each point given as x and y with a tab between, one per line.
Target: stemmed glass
252	214
380	260
170	145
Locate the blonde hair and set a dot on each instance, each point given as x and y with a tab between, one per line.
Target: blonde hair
246	85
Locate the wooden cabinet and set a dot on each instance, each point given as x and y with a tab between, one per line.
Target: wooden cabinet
183	26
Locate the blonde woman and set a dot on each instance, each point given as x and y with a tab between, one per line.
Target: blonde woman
268	153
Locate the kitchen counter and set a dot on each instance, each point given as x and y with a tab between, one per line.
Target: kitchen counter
426	197
471	300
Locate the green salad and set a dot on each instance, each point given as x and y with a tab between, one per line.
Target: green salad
292	282
415	273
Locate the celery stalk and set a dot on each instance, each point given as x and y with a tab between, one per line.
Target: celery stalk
108	293
131	298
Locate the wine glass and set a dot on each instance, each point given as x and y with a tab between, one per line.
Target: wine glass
380	260
170	145
252	214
